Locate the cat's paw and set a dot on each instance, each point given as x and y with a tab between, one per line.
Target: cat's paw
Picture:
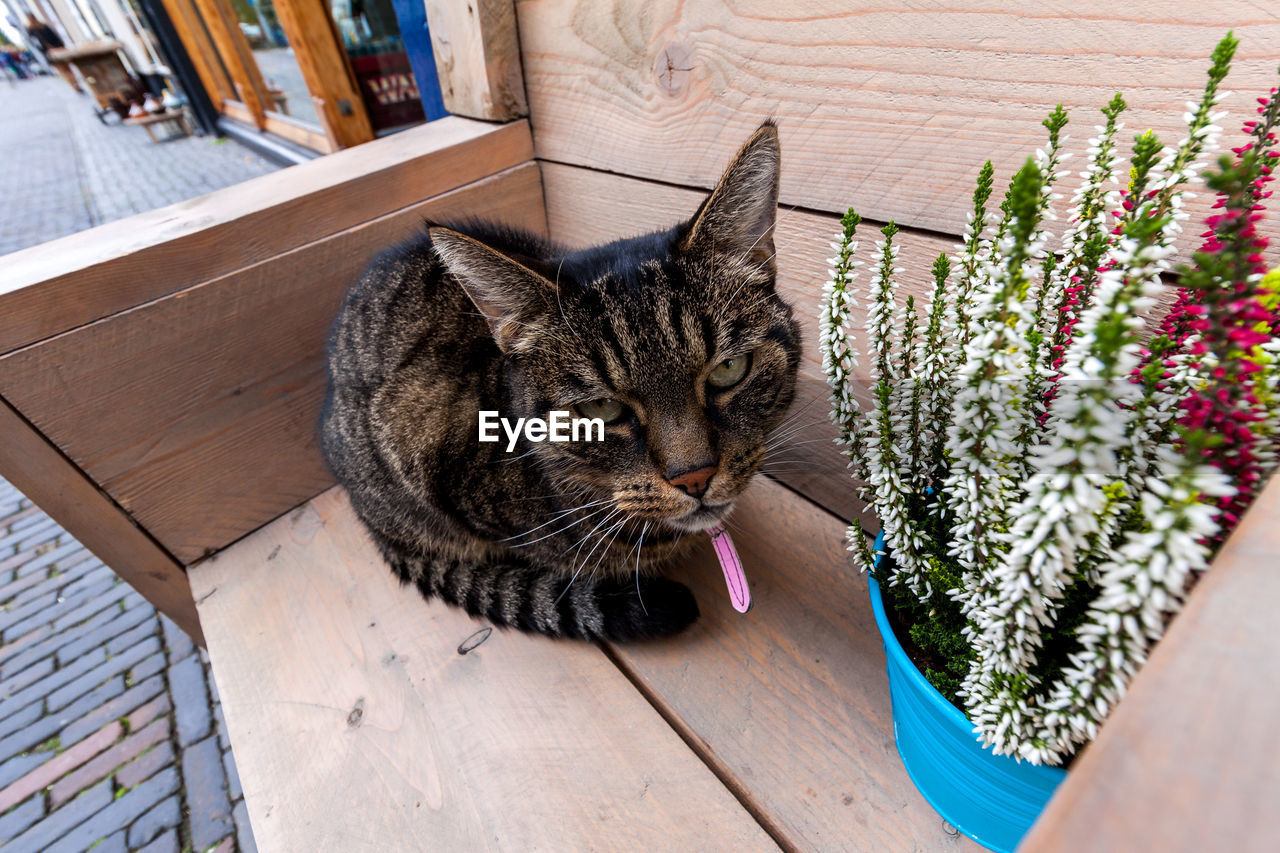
658	607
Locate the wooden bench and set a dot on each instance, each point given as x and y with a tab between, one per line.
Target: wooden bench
178	118
160	380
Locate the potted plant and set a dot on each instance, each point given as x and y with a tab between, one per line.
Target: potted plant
1053	458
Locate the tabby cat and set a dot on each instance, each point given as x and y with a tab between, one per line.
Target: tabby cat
677	340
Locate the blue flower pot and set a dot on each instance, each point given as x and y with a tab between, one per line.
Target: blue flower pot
991	798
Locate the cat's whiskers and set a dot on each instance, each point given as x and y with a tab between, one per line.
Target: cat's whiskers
557	517
797	413
791	466
791	423
639	545
572	524
795	429
577	546
580	543
793	444
515	458
775	441
792	418
615	530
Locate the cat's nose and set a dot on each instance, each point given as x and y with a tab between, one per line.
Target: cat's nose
694	482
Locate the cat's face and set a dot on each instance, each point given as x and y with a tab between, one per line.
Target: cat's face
677	340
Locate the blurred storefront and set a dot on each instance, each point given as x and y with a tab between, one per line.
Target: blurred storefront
297	77
322	74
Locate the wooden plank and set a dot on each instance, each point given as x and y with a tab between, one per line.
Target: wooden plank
1190	760
790	702
197	412
200	50
373	733
312	34
62	490
48	289
587	207
239	112
300	132
477	56
888	107
233	49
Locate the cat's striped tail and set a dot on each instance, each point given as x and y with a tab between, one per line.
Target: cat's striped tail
533	599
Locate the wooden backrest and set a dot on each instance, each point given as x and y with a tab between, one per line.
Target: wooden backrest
171	365
637	107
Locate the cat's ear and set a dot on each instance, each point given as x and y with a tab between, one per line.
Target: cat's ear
738	218
506	292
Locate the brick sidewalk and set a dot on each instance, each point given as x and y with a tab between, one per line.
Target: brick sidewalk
110	733
62	171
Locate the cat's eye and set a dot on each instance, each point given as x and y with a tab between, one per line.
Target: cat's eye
729	372
606	409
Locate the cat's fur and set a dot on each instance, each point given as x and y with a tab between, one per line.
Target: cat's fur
479	317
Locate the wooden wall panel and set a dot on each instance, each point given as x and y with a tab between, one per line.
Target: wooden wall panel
41	472
197	412
359	727
1190	760
49	289
891	108
585	207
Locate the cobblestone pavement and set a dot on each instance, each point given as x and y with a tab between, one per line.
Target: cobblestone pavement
110	731
111	735
62	171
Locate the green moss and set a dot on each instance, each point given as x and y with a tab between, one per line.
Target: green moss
53	744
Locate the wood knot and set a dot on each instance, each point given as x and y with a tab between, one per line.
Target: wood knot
673	66
356	715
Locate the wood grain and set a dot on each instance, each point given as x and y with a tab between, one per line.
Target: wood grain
891	108
372	733
312	34
790	702
59	488
49	289
197	412
585	206
1190	760
477	54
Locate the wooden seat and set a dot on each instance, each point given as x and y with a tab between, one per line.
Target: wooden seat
160	380
358	723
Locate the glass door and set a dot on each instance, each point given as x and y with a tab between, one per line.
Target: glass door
371	38
287	93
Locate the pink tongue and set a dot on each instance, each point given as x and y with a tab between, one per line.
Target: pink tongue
739	593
